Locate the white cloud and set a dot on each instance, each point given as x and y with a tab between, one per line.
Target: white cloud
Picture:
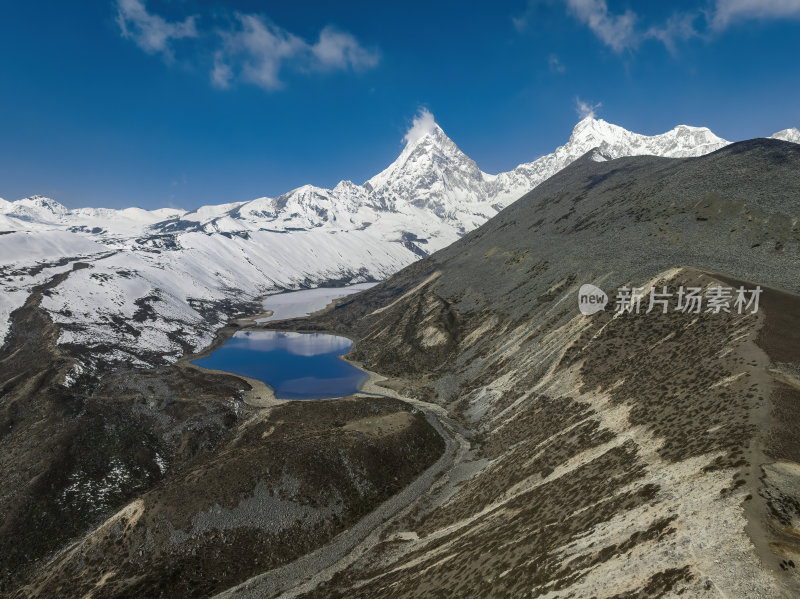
422	124
616	31
619	31
679	27
522	21
729	11
254	52
151	32
221	72
683	25
339	50
586	109
251	49
555	64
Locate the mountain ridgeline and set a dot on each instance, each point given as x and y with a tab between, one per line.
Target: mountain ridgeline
174	277
432	177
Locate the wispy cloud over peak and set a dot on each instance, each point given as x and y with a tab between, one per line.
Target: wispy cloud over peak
586	110
422	124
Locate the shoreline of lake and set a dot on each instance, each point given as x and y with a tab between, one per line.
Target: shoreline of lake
261	394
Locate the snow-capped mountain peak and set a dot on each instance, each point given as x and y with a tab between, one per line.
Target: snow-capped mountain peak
792	135
422	125
425	149
610	141
593	132
432	174
36	208
616	141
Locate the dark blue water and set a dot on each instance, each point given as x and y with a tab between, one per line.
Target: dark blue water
295	365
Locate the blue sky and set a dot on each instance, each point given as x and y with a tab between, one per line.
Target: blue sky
187	102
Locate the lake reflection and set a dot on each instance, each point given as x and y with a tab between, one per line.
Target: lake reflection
295	365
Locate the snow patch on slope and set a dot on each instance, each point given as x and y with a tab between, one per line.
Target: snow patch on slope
143	308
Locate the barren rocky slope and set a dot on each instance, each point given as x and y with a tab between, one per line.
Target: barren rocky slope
633	455
177	482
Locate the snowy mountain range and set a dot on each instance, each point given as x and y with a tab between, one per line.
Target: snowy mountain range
171	275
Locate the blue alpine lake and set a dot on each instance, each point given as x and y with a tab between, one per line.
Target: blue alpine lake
294	365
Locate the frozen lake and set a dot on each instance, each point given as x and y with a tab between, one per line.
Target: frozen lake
294	304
